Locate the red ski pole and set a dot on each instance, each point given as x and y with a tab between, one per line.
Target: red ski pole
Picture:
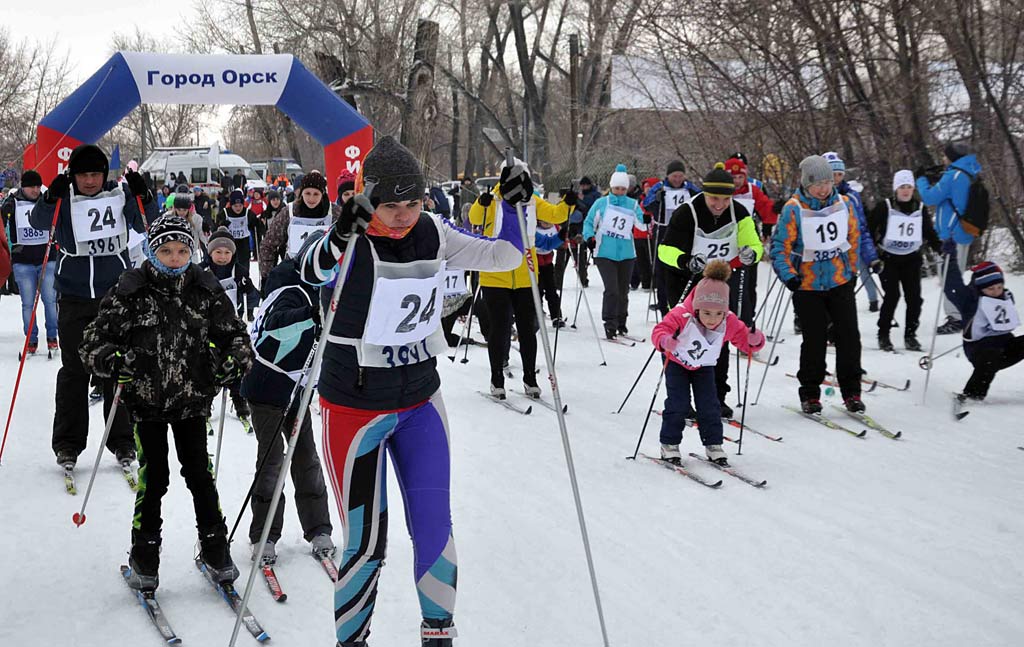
31	323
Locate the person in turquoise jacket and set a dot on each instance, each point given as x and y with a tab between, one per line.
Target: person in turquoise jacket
608	231
949	197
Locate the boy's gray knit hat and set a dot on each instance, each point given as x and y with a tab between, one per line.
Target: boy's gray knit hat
814	169
395	171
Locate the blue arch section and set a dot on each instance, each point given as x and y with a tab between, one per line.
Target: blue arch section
96	107
112	92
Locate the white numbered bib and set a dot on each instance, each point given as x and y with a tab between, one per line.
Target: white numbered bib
454	283
136	248
299	229
674	198
238	227
231	289
903	232
825	233
404	311
747	200
699	346
99	224
1001	313
26	234
617	222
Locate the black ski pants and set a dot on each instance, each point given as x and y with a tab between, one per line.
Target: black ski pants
642	270
815	310
273	430
989	358
154	474
615	301
548	290
502	303
901	271
71	414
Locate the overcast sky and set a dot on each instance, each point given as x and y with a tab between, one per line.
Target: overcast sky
85	31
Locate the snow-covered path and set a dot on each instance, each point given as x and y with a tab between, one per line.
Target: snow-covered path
854	541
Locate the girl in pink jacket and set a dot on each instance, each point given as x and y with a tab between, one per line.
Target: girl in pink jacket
691	336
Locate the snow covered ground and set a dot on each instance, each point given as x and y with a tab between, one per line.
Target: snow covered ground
854	542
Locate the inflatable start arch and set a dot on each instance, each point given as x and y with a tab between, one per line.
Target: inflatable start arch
131	78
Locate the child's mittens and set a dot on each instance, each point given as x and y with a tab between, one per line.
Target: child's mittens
669	344
755	339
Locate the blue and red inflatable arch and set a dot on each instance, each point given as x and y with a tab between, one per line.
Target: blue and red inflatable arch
131	78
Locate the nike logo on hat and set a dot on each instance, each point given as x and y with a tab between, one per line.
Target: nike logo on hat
399	190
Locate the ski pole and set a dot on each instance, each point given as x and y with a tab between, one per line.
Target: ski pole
307	395
590	315
927	361
31	324
771	354
935	328
650	409
686	290
538	309
79	517
772	320
767	298
220	431
750	354
465	328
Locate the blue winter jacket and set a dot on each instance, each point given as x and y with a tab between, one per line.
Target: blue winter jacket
654	191
616	249
583	206
868	253
949	197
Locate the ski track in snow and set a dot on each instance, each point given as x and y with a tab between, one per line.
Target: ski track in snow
853	542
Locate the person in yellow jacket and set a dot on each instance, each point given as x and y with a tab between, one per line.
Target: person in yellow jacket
508	293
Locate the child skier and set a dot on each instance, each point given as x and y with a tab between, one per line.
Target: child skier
285	329
170	336
221	263
990	317
548	239
692	335
900	226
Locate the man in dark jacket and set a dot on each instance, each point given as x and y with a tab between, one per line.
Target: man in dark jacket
661	202
92	237
285	329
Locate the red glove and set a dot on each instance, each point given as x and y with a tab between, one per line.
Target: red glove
669	344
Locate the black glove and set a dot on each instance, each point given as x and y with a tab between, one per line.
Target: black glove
314	314
876	266
592	243
570	197
243	284
354	219
920	171
58	188
696	264
119	365
229	371
485	199
516	185
793	284
137	185
948	246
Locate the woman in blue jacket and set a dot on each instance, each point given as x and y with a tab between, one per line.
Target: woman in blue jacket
949	197
608	231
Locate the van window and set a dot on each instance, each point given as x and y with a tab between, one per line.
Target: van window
198	175
215	174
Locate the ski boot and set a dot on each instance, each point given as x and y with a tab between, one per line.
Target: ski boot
810	405
144	561
33	346
209	427
727	411
884	342
950	327
243	412
557	322
216	556
717	455
797	328
52	344
125	455
623	330
438	633
67	458
873	306
531	391
269	554
610	332
670	454
498	392
323	547
911	343
854	404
